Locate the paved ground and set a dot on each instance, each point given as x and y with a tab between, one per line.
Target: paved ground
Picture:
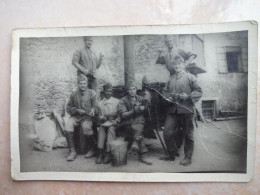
219	146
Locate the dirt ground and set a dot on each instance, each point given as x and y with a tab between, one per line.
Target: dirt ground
219	147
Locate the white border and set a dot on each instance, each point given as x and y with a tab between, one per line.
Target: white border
251	26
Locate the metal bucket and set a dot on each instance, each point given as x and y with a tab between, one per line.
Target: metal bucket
119	152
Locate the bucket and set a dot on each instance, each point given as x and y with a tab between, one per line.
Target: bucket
119	152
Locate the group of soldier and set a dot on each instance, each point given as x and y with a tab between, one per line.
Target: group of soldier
125	117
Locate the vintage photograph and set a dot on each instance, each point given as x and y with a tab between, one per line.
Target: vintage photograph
135	103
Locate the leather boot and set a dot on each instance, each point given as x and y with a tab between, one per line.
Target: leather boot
143	159
107	158
186	161
67	140
99	156
91	144
70	140
169	157
134	146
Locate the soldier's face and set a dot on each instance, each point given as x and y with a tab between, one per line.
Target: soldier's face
83	85
178	66
108	93
169	43
88	42
132	91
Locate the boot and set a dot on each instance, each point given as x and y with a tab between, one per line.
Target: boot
99	156
143	159
169	157
90	141
134	146
186	161
90	153
72	155
107	158
70	140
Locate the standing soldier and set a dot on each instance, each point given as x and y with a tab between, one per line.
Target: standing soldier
109	119
183	91
82	106
131	109
167	57
86	62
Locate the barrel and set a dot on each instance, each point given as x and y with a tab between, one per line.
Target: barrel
119	152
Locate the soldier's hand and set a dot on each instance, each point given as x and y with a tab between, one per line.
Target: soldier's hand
92	112
102	118
184	96
115	122
136	109
81	112
86	72
167	95
142	108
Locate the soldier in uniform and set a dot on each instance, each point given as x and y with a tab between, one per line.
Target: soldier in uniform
109	121
167	57
131	109
183	91
82	106
86	62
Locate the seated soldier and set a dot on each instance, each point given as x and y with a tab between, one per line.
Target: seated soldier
131	109
82	106
109	119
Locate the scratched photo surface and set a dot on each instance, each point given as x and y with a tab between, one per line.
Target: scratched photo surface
179	103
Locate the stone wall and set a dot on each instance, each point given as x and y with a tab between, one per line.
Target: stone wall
146	52
47	75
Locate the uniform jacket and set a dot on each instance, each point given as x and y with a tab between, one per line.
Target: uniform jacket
109	107
182	82
125	105
85	101
88	59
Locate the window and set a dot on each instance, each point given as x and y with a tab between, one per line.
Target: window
232	59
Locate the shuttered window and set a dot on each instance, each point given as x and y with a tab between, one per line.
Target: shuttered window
232	59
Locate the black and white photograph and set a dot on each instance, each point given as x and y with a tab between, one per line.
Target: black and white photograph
134	101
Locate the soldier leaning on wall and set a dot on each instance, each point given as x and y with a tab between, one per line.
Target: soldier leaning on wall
86	62
167	57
